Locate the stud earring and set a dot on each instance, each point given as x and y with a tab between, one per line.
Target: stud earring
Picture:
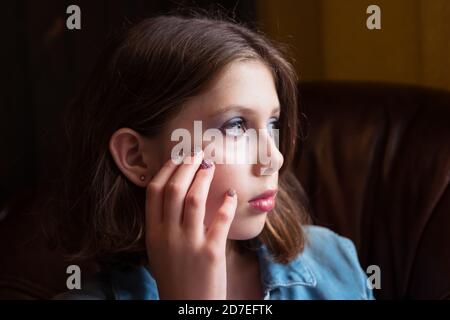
142	178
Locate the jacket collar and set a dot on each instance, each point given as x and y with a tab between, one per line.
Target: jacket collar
274	274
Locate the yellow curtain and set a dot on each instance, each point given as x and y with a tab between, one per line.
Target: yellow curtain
330	40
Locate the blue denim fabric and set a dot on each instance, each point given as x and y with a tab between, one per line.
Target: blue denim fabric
328	268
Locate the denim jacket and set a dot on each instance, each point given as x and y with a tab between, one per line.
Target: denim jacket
328	268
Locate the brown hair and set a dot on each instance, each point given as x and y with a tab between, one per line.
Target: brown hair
140	82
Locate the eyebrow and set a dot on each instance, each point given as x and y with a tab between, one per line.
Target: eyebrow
243	109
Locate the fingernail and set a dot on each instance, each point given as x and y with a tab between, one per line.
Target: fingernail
206	164
231	192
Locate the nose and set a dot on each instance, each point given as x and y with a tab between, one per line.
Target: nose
269	157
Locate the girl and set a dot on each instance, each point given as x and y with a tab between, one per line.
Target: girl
179	225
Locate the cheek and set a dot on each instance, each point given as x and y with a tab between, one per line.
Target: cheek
233	170
225	177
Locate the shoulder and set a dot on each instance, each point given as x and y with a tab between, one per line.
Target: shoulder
334	262
324	243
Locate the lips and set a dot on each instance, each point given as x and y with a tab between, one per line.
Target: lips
265	201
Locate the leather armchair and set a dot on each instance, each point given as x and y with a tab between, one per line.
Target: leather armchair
376	168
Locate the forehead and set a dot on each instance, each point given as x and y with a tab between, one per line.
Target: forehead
247	83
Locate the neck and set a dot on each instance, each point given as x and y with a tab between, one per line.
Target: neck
232	254
243	275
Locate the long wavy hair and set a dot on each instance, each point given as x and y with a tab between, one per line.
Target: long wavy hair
140	82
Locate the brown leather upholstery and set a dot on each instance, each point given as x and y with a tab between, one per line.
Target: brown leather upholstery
376	166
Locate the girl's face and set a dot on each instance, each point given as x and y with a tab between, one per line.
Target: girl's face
242	97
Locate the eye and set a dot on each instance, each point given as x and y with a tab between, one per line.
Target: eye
274	125
234	127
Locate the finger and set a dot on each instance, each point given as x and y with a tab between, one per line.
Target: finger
177	187
155	192
217	232
195	202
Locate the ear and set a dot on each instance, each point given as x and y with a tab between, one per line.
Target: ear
130	153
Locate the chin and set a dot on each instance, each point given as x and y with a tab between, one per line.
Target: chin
248	228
